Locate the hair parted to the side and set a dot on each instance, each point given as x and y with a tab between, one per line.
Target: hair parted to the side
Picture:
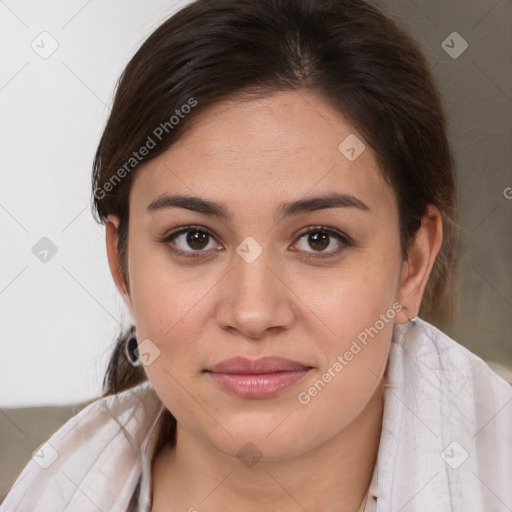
347	51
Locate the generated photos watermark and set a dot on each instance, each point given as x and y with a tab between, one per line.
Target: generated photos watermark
138	156
304	397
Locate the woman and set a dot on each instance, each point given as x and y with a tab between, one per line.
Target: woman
279	199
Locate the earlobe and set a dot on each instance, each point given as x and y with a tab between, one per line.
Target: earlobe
416	270
111	240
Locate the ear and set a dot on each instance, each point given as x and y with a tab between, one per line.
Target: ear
416	270
111	238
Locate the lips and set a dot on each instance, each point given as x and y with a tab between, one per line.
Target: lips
260	378
240	365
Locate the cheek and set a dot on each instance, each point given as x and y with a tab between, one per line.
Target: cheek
357	321
167	307
356	307
165	296
170	312
353	297
342	389
357	325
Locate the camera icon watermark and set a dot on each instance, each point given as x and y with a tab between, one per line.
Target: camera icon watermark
44	250
45	45
454	455
249	250
249	454
454	45
147	352
351	147
45	455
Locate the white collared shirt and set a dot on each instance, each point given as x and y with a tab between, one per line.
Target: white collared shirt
445	446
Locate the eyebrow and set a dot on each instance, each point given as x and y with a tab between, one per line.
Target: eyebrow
284	210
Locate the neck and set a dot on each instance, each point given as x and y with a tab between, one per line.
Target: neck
194	474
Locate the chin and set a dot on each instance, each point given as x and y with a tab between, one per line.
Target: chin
273	440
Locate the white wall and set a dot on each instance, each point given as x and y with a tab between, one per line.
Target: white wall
58	319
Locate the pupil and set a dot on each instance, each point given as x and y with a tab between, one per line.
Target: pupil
317	238
197	237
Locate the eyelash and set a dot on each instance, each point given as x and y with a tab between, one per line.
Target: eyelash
345	240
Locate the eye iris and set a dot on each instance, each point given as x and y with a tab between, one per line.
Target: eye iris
319	238
197	237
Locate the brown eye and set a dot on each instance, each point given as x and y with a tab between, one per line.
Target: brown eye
196	239
319	241
190	240
324	241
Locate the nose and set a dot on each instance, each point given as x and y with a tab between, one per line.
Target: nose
256	299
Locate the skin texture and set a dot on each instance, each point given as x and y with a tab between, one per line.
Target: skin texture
251	156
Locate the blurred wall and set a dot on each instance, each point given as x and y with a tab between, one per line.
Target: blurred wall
469	46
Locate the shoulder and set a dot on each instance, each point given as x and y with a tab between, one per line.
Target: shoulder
93	460
423	347
447	423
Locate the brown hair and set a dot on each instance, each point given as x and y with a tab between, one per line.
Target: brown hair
348	51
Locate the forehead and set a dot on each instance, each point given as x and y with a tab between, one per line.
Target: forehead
266	150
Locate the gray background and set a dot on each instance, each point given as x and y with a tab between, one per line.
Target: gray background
477	93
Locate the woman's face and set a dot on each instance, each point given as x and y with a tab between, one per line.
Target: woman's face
255	284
